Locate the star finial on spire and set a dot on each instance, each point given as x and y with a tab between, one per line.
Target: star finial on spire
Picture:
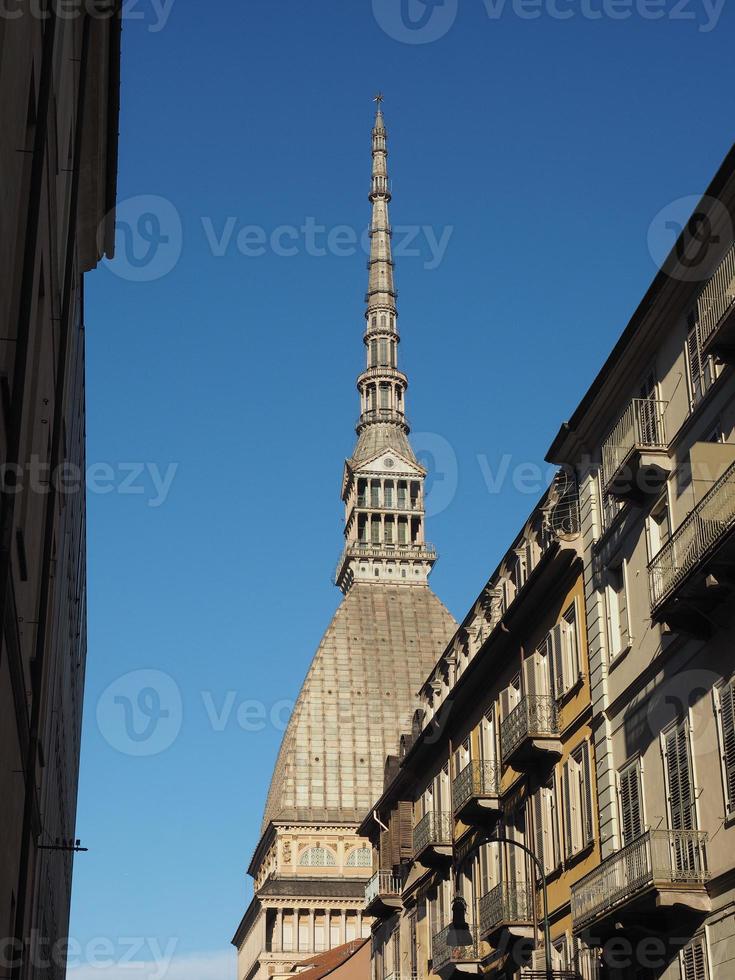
378	98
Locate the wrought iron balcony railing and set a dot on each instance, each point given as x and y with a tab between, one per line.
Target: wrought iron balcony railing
717	298
433	829
656	858
507	903
640	426
383	883
700	531
443	954
476	779
535	716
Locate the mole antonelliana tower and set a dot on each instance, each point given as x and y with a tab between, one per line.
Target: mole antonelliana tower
359	695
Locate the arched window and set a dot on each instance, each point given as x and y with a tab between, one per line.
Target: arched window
317	857
361	857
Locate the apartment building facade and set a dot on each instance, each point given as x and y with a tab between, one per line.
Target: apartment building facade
59	91
492	794
653	445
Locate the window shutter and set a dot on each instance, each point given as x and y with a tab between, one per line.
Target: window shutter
568	819
505	708
727	730
695	364
385	849
538	826
631	815
556	642
405	819
694	960
678	772
529	669
588	829
623	610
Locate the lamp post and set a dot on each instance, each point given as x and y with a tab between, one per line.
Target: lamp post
460	931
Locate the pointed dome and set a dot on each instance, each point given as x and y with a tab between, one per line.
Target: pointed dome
358	697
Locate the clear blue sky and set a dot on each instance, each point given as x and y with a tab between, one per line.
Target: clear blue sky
548	147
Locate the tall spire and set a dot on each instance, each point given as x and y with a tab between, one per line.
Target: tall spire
382	386
383	489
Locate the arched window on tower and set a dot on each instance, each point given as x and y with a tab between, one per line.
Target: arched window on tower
373	353
385	396
383	351
383	321
317	857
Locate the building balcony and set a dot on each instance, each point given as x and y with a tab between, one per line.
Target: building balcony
392	415
432	839
388	552
691	573
476	792
635	460
383	894
716	310
450	960
530	733
661	871
509	906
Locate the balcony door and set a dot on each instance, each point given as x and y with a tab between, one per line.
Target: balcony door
488	736
649	419
537	674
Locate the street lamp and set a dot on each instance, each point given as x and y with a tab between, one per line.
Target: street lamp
459	932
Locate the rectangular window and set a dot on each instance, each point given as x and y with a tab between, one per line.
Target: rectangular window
725	708
402	531
630	792
375	494
388	495
694	964
617	610
578	800
402	496
389	530
375	530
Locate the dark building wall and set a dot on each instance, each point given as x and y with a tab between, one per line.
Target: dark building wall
59	85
